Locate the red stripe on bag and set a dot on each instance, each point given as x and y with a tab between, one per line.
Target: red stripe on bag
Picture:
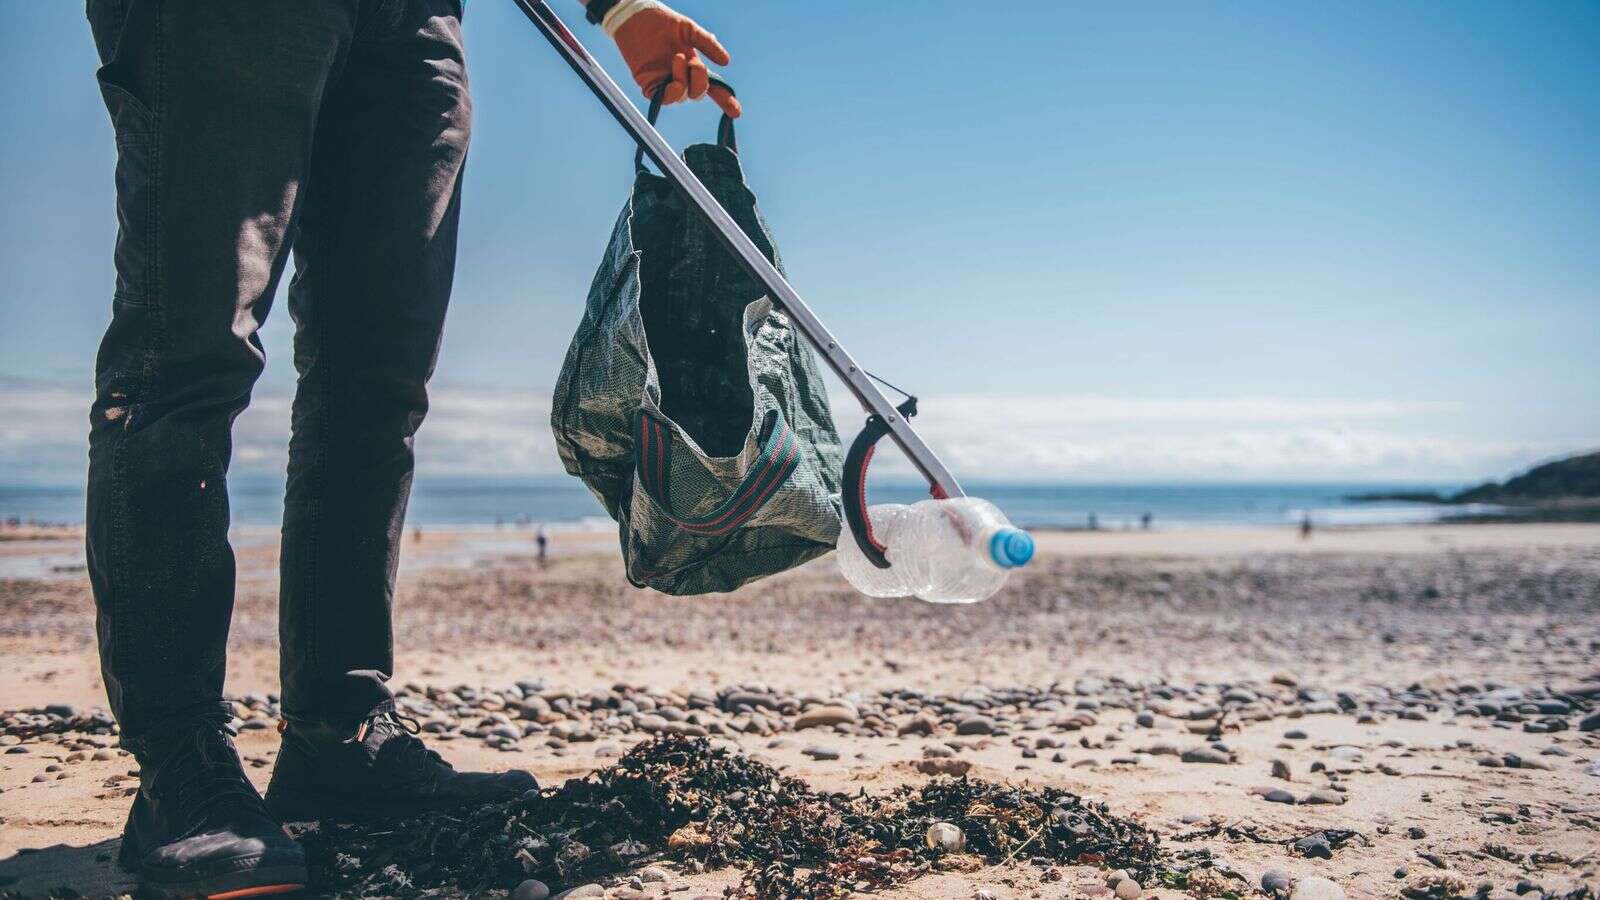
661	457
738	500
643	452
765	492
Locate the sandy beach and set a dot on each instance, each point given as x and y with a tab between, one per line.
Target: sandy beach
1238	692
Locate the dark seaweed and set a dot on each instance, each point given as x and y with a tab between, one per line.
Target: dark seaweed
708	808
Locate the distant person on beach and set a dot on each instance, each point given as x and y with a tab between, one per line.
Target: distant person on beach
1305	527
1094	522
543	537
1144	522
246	130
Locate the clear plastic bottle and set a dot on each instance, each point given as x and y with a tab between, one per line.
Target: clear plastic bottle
963	549
888	526
943	551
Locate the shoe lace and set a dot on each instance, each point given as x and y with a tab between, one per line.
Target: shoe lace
204	775
408	757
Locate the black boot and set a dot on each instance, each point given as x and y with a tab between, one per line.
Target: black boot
380	770
199	829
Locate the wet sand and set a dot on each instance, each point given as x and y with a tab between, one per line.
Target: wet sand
1428	678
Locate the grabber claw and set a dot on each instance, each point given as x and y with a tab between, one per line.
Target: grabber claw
855	484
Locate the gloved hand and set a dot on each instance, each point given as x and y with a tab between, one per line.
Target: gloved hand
660	45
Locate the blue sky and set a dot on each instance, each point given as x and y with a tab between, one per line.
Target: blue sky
1115	242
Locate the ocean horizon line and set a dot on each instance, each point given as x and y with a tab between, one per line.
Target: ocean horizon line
471	501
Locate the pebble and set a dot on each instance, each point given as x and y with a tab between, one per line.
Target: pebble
1279	795
1128	889
752	699
821	753
1275	882
584	890
944	765
947	837
1206	755
1280	769
823	716
532	889
653	874
1315	846
1315	887
975	724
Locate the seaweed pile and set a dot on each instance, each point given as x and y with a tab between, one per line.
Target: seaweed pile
707	807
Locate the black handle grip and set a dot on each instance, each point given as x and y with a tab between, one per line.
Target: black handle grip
855	484
725	136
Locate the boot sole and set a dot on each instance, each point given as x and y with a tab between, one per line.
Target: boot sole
255	882
241	878
260	891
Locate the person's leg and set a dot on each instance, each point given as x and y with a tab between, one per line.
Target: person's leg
213	106
374	260
373	266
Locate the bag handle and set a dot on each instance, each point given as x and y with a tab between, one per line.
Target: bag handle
779	457
725	135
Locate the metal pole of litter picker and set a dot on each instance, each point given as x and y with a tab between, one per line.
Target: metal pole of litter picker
872	399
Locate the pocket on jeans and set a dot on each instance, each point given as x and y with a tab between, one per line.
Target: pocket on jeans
124	30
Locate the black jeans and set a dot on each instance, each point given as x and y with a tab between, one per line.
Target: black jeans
245	128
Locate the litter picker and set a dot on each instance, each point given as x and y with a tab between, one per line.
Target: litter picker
883	417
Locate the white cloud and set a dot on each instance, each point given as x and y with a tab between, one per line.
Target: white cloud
503	431
1097	438
43	428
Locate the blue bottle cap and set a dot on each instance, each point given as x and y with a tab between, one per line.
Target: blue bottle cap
1011	547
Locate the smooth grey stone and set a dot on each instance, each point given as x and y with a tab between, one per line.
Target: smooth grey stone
1206	755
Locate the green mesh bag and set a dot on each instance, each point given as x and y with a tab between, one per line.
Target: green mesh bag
689	404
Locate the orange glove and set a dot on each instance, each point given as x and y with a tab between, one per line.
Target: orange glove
660	46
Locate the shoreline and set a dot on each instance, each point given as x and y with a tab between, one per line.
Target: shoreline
57	554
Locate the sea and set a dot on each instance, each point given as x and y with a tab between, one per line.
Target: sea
470	503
